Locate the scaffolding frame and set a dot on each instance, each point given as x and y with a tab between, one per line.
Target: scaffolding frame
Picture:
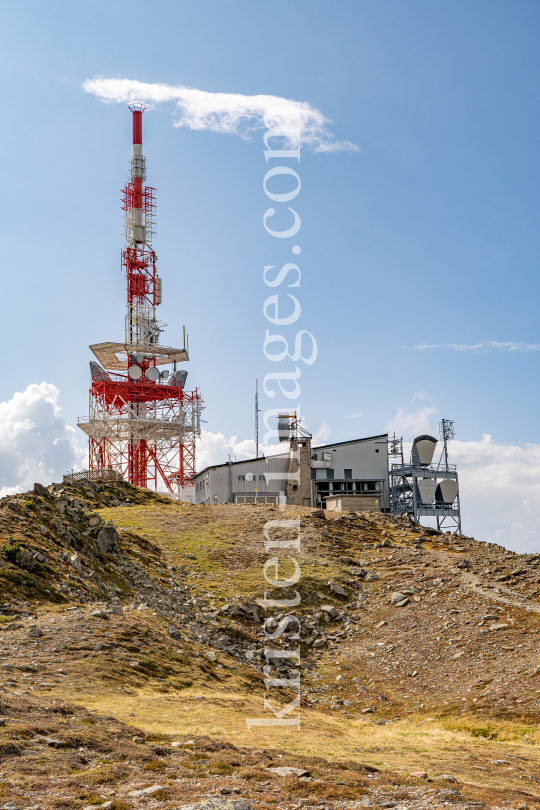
405	496
146	431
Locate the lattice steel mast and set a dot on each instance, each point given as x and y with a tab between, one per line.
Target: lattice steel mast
142	424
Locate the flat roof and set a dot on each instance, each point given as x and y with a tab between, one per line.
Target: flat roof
245	461
351	441
280	455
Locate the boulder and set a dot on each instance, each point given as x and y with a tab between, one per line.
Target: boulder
59	526
397	597
75	562
338	591
107	539
174	633
330	610
42	491
288	771
25	560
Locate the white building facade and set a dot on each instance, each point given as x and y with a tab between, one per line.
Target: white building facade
357	467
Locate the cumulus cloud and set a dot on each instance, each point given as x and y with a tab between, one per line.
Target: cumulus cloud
36	444
500	491
321	435
479	348
215	448
414	419
228	113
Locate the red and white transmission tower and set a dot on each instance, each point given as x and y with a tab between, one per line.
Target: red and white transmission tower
142	423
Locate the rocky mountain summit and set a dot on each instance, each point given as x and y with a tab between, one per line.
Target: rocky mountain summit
135	642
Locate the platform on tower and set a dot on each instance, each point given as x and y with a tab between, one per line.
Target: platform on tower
113	356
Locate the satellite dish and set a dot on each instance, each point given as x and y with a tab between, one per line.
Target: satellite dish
447	491
423	450
426	488
139	357
152	374
165	373
249	476
181	376
135	372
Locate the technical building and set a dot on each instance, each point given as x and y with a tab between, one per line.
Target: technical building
303	476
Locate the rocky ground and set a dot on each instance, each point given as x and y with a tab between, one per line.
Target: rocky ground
132	642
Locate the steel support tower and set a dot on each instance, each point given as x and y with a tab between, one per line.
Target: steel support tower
142	423
426	490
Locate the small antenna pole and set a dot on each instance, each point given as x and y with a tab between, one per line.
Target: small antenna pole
257	411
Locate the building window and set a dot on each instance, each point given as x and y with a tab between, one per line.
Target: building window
313	475
330	474
371	486
295	487
241	477
262	478
314	457
348	475
376	449
307	502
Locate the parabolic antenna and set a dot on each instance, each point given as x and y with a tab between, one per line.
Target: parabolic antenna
249	476
139	357
447	491
165	373
426	488
152	374
135	372
423	451
181	376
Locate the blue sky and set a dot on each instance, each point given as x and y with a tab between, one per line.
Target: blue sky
426	236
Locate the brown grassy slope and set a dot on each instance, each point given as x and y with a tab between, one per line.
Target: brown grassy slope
440	634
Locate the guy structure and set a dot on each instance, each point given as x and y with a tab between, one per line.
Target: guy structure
141	423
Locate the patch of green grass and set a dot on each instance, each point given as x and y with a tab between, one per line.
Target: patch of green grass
10	552
30	504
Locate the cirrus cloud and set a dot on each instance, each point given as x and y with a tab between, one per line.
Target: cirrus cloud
479	348
226	113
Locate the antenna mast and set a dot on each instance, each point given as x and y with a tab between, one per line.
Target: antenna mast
257	411
446	433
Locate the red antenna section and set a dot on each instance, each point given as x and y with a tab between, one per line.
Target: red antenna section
142	422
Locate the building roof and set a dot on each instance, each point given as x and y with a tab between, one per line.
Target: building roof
244	461
351	441
278	455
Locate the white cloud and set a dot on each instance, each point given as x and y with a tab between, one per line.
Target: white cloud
321	435
215	448
479	348
500	491
414	420
229	113
36	445
353	416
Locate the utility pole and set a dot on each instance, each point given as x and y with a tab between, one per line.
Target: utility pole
257	411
